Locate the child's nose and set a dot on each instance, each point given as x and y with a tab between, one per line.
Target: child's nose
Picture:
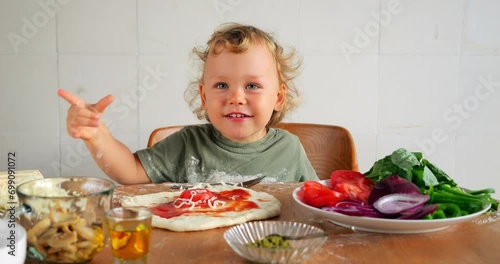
237	96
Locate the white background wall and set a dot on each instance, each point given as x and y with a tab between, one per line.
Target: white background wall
419	74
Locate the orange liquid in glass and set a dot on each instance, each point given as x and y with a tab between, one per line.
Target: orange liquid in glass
128	244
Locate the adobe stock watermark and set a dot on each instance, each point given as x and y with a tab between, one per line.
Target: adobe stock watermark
224	6
455	114
31	27
123	106
363	37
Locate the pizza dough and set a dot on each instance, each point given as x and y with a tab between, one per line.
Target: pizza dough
194	220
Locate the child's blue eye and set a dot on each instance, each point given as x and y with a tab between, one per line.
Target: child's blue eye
252	86
221	86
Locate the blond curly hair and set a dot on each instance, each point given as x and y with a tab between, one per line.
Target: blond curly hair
239	38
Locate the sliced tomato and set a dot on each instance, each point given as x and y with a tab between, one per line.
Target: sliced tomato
352	184
354	177
352	191
197	194
319	195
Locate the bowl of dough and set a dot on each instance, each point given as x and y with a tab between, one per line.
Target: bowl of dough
266	242
64	217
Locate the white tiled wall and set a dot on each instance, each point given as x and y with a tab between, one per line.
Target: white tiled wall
419	74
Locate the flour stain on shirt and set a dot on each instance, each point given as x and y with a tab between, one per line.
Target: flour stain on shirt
221	176
192	173
196	174
155	170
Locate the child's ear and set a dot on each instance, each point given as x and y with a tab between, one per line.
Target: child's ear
202	96
280	97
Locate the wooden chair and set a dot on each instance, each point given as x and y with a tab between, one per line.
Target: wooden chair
328	147
161	133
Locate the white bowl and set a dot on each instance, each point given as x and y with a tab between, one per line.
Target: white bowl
12	242
238	237
382	225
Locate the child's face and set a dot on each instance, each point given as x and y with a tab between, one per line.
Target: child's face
240	92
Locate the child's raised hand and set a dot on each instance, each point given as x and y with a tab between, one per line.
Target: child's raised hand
83	120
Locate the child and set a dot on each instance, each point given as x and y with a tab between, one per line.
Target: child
244	89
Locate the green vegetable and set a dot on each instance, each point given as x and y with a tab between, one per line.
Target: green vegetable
411	166
489	190
423	176
382	169
453	201
438	214
271	241
470	203
441	176
446	210
404	159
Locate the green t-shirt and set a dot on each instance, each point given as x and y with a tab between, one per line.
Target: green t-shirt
200	153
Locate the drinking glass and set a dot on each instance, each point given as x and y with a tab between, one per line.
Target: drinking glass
129	234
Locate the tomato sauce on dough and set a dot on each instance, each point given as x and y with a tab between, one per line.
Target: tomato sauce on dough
203	201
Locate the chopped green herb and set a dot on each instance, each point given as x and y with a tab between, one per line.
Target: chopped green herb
271	241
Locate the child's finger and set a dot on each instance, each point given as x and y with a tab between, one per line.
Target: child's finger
103	103
85	122
74	132
78	116
86	112
70	98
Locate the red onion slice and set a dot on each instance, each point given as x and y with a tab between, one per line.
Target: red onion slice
419	212
398	202
354	208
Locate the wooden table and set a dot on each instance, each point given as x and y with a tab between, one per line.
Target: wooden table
477	241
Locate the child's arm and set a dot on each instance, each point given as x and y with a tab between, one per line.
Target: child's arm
114	158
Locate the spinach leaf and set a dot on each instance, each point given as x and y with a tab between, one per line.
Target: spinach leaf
404	159
418	155
381	169
423	177
418	179
408	165
429	177
440	175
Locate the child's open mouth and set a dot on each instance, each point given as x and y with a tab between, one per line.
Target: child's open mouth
237	115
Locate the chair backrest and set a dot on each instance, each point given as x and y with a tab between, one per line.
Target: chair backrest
328	147
161	133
